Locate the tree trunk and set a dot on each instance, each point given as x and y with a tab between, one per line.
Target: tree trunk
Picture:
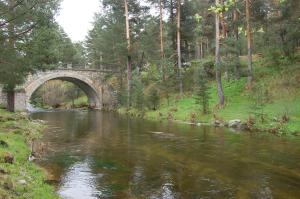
223	23
218	61
161	30
236	36
201	50
249	45
11	33
128	56
179	48
207	46
162	53
173	31
11	100
197	51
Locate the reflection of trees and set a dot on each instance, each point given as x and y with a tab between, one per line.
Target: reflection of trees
193	162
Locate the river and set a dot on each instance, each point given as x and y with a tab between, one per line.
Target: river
95	154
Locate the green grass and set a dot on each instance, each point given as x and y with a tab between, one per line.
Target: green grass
283	87
80	102
16	130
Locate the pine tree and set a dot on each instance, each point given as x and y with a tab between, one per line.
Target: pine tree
201	90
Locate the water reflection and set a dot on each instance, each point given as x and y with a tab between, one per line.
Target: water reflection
104	155
79	182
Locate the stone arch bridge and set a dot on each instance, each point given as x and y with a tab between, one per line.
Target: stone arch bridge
100	95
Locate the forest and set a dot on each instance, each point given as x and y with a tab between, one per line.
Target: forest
182	60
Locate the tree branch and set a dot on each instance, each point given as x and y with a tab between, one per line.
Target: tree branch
16	17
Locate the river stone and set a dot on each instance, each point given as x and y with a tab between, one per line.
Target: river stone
234	123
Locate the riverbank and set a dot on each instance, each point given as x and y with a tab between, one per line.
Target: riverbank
273	106
20	178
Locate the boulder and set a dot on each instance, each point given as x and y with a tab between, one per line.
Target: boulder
217	123
234	123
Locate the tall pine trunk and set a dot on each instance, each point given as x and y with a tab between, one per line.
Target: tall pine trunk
236	36
179	48
218	60
11	33
162	53
128	55
161	35
249	45
173	31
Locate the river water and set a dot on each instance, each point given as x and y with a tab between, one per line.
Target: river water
104	155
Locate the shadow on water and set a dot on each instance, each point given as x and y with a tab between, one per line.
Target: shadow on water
104	155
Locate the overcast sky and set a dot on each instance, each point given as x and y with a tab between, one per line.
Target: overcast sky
76	16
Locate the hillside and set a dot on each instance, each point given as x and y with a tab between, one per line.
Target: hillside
278	96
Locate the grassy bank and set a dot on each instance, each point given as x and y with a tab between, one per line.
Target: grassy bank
20	178
280	112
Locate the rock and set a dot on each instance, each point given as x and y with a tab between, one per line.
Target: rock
217	123
234	123
157	133
9	158
22	182
31	158
244	126
3	144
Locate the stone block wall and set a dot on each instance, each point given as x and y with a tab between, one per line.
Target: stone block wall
3	97
20	101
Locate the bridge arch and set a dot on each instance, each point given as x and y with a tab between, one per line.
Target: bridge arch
83	82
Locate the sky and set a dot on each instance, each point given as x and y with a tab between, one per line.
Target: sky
76	17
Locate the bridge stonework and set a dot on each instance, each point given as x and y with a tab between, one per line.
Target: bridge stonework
3	100
99	94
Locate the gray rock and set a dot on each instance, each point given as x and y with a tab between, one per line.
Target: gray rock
234	123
